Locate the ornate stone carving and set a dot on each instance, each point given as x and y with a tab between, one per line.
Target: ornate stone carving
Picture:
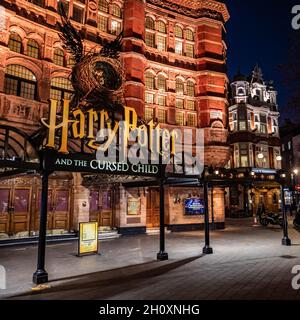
195	9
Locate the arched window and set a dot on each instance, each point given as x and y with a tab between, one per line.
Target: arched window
161	26
190	88
178	32
61	88
15	42
33	49
150	23
189	34
59	57
19	81
116	11
179	86
103	6
150	81
161	83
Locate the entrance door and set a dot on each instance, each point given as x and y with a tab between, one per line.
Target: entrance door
14	210
101	208
4	210
61	204
58	215
20	210
153	208
94	206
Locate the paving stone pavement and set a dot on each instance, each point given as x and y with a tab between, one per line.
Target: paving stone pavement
249	263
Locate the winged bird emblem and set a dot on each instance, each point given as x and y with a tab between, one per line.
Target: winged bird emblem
97	78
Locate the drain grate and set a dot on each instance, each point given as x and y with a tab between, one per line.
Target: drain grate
288	257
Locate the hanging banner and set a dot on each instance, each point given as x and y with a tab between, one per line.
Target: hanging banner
88	238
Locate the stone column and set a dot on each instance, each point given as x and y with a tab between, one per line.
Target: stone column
81	203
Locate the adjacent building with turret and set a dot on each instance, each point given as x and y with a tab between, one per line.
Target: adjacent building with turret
254	140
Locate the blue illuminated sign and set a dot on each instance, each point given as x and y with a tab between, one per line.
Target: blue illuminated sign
194	206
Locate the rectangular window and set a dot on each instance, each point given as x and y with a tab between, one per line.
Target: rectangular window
244	161
56	94
161	101
21	88
150	39
190	50
179	103
11	86
115	27
243	125
190	105
180	118
27	90
161	116
244	154
263	118
191	120
178	47
149	98
77	14
161	43
149	114
263	128
103	23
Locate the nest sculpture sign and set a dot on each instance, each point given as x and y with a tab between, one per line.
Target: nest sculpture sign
115	139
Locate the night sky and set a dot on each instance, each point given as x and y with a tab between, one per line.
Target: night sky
260	31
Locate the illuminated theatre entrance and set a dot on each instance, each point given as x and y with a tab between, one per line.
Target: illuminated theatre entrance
23	157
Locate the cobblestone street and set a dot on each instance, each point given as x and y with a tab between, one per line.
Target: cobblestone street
248	263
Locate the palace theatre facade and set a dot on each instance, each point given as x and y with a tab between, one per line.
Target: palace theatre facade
174	57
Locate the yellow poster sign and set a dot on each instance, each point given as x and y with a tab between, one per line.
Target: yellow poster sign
88	238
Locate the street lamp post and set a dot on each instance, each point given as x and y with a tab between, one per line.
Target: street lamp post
286	241
294	182
207	249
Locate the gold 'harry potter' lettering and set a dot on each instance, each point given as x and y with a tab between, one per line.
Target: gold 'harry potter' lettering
79	125
53	126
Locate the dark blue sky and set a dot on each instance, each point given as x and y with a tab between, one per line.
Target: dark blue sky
260	31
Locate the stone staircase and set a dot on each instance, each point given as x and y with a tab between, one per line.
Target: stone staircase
108	234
